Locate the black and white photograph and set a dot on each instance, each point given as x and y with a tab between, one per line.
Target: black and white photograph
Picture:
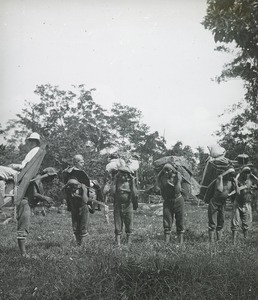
129	149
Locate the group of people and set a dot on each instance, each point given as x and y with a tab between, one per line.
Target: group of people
82	195
240	189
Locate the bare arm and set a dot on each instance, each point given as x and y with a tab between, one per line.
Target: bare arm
43	198
84	194
178	186
219	183
236	186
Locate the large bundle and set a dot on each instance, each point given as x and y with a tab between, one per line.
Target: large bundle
214	167
122	161
180	164
115	164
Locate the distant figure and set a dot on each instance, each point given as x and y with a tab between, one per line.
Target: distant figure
169	180
8	172
33	195
246	187
225	184
125	201
76	194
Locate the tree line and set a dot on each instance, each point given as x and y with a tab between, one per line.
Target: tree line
72	122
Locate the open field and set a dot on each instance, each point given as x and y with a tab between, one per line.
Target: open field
148	269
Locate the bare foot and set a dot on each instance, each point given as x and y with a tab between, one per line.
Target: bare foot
25	255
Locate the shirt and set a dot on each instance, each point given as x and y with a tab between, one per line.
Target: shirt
29	156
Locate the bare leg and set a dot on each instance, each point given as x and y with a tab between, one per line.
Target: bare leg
21	244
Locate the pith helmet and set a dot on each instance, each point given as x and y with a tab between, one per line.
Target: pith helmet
34	136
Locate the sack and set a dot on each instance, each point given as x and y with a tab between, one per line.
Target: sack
213	168
115	164
179	163
133	164
216	151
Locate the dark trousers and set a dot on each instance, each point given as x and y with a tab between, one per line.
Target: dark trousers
173	209
216	216
80	217
123	214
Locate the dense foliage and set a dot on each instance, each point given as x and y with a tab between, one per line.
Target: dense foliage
234	23
72	122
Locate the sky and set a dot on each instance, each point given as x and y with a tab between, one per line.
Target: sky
153	55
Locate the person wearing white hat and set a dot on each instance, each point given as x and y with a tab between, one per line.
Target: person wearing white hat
33	195
8	172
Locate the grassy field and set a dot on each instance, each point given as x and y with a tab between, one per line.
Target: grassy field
148	269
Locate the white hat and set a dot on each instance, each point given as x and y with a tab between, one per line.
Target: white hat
34	136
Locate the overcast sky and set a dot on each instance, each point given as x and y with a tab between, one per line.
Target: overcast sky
153	55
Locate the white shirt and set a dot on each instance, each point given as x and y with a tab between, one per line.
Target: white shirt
29	156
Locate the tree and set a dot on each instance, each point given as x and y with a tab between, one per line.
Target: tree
67	120
186	151
235	22
132	134
71	122
201	157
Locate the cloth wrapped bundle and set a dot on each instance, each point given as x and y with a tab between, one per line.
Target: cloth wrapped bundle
180	164
115	164
133	164
213	168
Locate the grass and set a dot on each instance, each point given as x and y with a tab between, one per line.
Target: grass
148	269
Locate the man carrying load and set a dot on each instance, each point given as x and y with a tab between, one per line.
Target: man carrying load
169	180
33	195
224	185
246	184
125	201
8	172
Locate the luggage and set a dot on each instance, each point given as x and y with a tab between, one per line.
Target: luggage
133	164
214	167
178	162
180	165
216	151
115	164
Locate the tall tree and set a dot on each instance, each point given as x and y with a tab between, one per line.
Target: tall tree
235	22
67	120
133	134
186	151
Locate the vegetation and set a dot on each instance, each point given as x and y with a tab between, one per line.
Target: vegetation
148	269
72	122
235	22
